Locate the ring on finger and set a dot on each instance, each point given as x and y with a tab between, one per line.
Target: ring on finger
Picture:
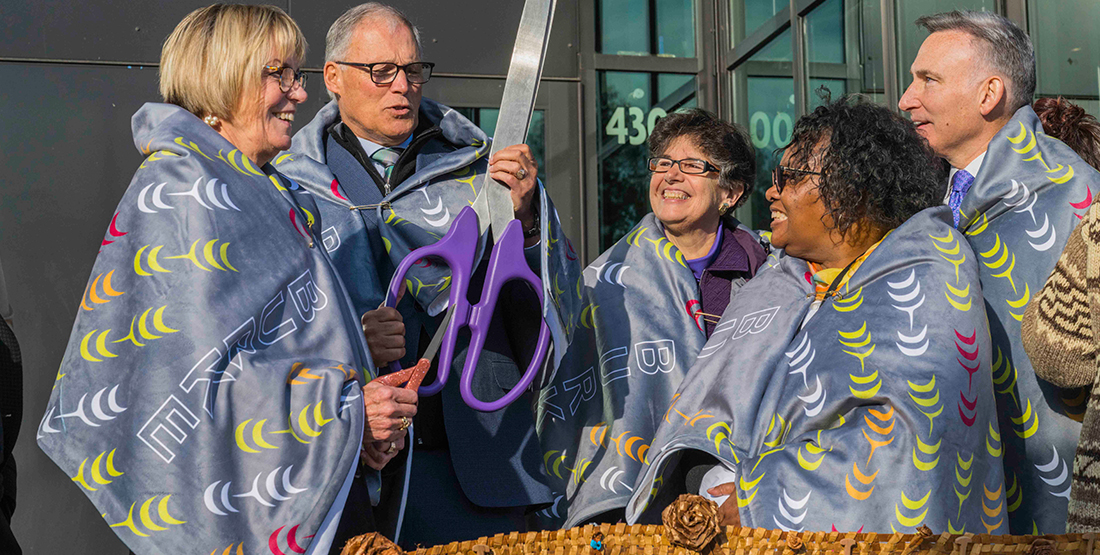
405	423
391	449
521	174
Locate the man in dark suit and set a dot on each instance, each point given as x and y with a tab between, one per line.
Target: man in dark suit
472	473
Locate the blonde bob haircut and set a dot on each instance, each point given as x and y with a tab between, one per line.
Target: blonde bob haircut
215	56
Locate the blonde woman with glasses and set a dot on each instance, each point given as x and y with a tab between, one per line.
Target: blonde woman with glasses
207	400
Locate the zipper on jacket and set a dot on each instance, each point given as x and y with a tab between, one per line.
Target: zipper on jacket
384	205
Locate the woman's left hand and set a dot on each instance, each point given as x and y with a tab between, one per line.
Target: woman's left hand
376	454
515	167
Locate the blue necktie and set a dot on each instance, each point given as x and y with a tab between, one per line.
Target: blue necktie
960	185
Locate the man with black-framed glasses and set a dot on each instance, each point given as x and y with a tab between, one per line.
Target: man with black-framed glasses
391	169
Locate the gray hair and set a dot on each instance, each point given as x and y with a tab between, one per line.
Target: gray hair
339	35
1007	48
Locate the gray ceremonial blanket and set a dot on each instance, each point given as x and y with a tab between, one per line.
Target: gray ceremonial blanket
876	415
419	212
1029	195
640	330
208	399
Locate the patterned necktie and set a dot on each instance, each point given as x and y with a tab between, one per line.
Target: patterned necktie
960	185
387	157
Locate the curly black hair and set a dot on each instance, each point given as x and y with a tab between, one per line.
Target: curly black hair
727	145
874	166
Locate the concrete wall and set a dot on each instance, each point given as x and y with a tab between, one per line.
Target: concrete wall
74	74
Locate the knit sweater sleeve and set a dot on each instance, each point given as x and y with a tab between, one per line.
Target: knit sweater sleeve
1059	324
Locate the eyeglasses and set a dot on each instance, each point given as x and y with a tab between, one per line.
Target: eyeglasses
383	73
692	166
778	178
288	76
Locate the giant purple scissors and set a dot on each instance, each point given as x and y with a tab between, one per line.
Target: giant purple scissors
491	212
458	249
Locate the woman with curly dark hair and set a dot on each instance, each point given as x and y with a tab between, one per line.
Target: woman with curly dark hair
867	176
863	346
651	301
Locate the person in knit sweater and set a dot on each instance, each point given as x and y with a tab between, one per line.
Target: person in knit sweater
1061	327
1061	333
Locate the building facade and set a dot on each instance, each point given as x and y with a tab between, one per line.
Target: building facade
77	71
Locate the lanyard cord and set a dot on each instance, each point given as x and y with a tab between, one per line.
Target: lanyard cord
831	291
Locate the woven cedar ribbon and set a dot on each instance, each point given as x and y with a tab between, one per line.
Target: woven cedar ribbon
622	539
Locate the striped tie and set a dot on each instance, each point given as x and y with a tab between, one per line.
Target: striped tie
387	157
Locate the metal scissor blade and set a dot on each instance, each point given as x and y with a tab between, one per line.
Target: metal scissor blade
495	210
437	339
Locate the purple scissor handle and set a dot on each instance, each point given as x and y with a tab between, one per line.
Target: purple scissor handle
458	248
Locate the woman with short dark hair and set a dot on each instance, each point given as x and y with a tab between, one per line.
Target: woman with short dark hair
651	300
848	384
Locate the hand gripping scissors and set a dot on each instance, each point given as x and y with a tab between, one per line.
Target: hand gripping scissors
469	233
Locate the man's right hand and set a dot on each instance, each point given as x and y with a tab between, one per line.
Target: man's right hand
385	332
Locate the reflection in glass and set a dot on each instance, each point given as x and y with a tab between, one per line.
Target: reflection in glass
825	33
771	121
1067	50
870	40
680	88
624	27
647	27
826	89
676	28
628	111
748	15
778	50
486	119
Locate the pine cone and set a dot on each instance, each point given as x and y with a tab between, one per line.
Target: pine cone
1041	546
371	544
794	542
691	522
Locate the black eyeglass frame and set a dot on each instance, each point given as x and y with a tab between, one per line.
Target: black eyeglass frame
298	76
397	67
707	166
778	179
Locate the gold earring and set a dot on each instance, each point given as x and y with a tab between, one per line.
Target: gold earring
723	208
211	120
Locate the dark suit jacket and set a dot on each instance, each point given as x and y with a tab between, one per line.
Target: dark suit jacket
495	455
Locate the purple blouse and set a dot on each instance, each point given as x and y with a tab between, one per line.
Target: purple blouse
734	258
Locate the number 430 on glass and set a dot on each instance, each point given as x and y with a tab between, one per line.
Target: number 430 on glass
640	124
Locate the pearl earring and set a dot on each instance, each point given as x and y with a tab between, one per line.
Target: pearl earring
211	120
